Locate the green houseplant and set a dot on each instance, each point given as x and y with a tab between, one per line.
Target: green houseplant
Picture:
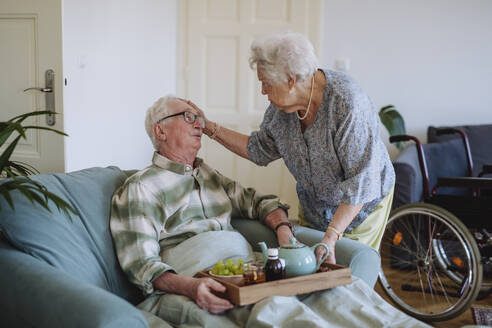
17	173
393	122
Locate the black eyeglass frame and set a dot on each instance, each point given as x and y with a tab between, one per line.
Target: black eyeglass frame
195	117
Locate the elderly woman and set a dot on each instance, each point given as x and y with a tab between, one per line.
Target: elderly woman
326	129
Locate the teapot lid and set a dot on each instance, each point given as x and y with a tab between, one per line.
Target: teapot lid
294	244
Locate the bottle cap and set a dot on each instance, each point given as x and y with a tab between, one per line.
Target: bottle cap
272	252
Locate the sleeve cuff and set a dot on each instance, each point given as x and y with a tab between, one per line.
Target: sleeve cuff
155	272
270	207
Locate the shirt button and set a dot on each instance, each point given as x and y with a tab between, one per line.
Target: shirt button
187	168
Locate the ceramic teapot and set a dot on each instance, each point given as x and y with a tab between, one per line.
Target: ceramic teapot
299	258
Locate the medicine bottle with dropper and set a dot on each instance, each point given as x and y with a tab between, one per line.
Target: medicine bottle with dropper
274	270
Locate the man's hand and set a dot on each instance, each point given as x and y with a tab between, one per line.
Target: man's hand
201	290
283	235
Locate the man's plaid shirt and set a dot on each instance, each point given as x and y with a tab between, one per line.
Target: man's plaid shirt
167	203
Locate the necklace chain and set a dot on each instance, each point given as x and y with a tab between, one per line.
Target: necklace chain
309	103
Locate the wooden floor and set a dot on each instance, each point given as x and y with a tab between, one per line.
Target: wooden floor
460	321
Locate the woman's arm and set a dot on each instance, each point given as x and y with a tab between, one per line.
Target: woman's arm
232	140
341	220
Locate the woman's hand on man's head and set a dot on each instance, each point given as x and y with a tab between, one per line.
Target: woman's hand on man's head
209	125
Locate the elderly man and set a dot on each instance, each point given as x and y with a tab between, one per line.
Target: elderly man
177	199
172	219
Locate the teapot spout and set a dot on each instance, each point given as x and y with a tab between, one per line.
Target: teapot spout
264	250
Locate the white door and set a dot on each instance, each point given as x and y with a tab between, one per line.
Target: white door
31	44
214	42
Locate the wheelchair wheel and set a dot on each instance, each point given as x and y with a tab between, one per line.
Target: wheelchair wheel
430	263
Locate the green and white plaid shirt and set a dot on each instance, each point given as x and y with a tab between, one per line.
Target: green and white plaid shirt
167	203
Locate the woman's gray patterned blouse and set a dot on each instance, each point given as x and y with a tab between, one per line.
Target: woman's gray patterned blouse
340	158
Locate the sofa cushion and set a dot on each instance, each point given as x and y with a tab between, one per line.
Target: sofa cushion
480	139
81	246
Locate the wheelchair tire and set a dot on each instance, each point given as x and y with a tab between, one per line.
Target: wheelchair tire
412	273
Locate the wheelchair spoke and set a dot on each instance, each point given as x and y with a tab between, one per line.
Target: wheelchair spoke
422	286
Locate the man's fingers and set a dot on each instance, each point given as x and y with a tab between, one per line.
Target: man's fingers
213	303
217	286
219	304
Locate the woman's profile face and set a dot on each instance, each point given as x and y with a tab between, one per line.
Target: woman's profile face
278	93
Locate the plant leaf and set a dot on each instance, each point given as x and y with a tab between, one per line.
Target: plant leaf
23	168
393	121
17	172
4	157
5	193
33	190
6	129
44	128
22	117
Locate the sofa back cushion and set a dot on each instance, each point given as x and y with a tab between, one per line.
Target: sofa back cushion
81	245
479	137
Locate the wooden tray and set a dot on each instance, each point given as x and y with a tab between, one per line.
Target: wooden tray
337	276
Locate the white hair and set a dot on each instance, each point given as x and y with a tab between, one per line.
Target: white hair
156	112
283	53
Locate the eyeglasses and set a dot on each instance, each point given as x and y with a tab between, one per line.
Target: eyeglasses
188	117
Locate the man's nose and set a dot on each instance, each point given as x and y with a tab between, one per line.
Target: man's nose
197	124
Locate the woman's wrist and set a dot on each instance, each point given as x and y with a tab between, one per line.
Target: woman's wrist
330	237
334	231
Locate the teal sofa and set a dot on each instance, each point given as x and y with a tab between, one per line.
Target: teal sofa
57	271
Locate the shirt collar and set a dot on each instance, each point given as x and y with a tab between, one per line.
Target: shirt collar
167	164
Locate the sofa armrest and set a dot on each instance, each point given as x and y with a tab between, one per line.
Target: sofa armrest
363	261
35	294
408	184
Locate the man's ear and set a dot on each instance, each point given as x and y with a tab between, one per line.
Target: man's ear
159	132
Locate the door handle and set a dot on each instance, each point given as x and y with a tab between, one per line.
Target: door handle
49	93
40	89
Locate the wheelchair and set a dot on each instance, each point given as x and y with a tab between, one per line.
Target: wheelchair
436	256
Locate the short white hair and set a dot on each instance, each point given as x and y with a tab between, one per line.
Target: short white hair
155	113
282	53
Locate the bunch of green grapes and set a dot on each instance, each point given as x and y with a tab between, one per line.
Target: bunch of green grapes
228	268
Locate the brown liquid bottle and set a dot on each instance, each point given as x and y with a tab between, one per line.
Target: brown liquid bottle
274	270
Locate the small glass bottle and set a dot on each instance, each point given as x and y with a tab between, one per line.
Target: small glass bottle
274	270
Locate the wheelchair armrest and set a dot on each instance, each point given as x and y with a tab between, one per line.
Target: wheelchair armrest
486	169
465	182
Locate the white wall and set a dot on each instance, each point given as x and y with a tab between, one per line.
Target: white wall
431	59
119	56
